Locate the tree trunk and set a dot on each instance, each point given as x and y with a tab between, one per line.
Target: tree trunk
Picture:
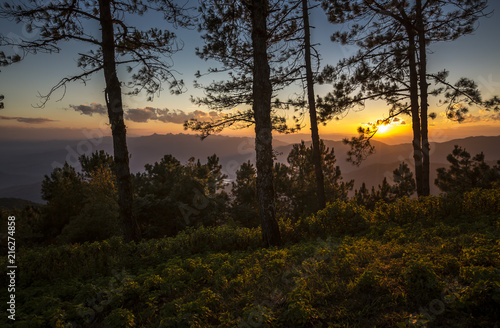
417	149
422	46
262	93
115	113
320	181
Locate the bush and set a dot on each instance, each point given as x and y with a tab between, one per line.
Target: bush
338	218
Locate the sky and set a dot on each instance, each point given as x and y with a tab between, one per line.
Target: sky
67	114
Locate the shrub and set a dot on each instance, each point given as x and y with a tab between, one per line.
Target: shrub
338	218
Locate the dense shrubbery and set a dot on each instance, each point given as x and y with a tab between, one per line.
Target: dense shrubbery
433	261
379	259
170	196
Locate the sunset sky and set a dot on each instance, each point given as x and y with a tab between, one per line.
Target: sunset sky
475	56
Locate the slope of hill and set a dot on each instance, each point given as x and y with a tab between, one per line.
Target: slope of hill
11	203
24	163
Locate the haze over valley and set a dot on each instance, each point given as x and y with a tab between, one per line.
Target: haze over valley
24	163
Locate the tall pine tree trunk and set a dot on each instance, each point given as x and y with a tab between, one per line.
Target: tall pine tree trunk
320	181
262	93
422	46
417	149
115	113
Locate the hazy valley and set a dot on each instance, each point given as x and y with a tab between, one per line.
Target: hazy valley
23	164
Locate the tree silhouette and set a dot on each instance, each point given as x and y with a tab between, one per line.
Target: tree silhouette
171	196
392	65
320	180
253	42
117	44
4	61
466	172
404	183
301	174
244	206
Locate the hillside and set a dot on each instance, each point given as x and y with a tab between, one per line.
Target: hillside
11	203
24	163
432	262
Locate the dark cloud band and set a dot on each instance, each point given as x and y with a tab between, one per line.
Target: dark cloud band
143	115
29	120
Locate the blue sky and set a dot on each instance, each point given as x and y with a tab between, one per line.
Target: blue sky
474	56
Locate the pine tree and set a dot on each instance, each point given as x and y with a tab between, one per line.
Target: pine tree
253	42
392	64
117	44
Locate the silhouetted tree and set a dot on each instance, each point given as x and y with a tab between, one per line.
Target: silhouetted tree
171	196
118	43
81	206
98	218
320	181
362	196
392	63
248	39
466	172
294	184
4	61
404	186
244	206
98	159
63	191
302	171
404	183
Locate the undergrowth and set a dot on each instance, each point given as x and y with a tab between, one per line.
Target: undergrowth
432	262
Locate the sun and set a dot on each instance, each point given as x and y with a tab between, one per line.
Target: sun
383	128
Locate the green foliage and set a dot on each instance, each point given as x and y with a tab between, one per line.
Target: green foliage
338	218
404	183
81	206
302	191
244	207
63	191
431	261
466	173
420	282
95	161
404	186
98	219
120	318
294	185
170	196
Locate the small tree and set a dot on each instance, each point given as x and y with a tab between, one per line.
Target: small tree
302	171
63	190
98	218
171	196
81	206
466	172
244	206
404	183
404	186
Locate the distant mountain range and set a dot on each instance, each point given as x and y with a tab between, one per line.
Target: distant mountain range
23	164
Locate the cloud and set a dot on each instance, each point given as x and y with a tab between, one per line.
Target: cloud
143	115
391	121
29	120
94	108
481	118
166	115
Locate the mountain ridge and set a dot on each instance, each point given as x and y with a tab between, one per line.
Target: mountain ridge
24	163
